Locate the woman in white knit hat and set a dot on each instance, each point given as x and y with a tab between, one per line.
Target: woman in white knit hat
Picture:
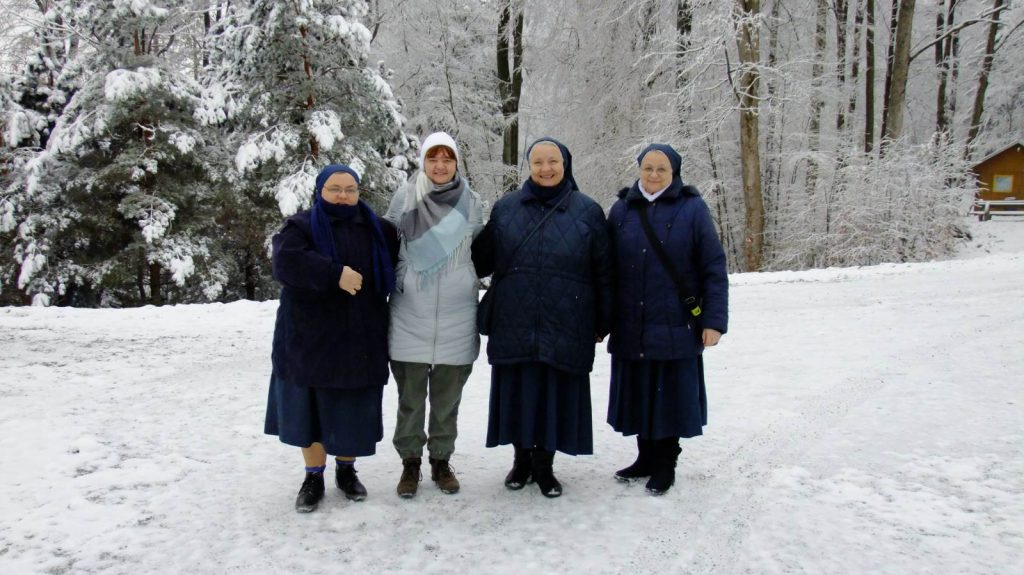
433	339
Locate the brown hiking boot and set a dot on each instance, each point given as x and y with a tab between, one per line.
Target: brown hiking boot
441	473
410	480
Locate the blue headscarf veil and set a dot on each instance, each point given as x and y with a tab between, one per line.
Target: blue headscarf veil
568	182
323	238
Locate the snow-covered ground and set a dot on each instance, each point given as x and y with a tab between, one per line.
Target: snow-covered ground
861	421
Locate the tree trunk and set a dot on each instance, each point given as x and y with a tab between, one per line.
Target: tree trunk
510	85
775	137
900	69
140	277
684	28
648	24
155	297
869	75
943	58
207	24
817	97
841	22
858	30
954	60
307	67
721	205
986	68
251	276
746	13
889	60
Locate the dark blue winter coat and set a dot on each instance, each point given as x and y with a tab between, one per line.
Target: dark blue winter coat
650	322
556	296
325	337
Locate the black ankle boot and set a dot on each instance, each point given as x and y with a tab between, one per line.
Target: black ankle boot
544	474
643	464
348	482
311	492
663	473
522	468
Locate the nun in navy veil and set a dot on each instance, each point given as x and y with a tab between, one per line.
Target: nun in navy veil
671	303
335	264
546	245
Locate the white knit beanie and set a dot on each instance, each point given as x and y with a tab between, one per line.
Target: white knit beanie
438	139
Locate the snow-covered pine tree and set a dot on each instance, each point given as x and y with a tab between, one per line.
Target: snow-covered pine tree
115	210
302	95
307	97
32	97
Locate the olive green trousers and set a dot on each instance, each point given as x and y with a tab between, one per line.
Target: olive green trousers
442	385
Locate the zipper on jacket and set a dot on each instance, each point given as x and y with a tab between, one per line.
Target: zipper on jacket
437	318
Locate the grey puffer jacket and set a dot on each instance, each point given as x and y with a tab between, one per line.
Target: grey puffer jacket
435	321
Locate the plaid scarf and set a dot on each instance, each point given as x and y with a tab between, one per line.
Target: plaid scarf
433	224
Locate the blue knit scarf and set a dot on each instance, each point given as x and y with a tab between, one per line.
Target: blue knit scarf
323	238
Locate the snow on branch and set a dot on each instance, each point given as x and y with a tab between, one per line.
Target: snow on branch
274	144
154	215
325	127
294	191
122	84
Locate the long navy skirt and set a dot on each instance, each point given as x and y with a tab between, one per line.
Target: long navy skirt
348	422
536	405
658	399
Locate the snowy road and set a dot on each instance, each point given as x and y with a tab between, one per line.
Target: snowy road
861	421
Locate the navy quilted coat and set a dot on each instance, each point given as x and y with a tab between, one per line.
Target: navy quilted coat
650	322
325	337
556	296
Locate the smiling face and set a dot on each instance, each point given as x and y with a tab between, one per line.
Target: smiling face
440	165
546	167
655	171
340	189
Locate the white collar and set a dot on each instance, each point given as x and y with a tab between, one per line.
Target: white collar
651	197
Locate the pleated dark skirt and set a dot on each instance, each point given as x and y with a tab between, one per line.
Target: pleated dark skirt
536	405
348	422
658	399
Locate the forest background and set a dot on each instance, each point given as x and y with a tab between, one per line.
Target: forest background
150	149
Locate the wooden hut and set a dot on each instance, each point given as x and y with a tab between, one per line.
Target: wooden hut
1000	179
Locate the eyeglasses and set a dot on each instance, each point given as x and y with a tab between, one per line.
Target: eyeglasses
342	191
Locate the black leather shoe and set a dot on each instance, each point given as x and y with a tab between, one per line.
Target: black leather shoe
348	482
311	492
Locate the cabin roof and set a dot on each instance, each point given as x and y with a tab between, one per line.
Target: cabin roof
996	153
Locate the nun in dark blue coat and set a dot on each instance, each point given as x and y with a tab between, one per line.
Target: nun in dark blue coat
335	263
657	340
547	247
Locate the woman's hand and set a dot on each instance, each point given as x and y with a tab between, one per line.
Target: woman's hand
710	337
350	280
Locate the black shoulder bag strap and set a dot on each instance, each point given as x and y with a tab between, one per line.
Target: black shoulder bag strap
485	313
532	232
689	302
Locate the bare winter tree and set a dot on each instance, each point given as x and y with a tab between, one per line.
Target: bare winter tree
510	84
983	75
900	69
747	15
